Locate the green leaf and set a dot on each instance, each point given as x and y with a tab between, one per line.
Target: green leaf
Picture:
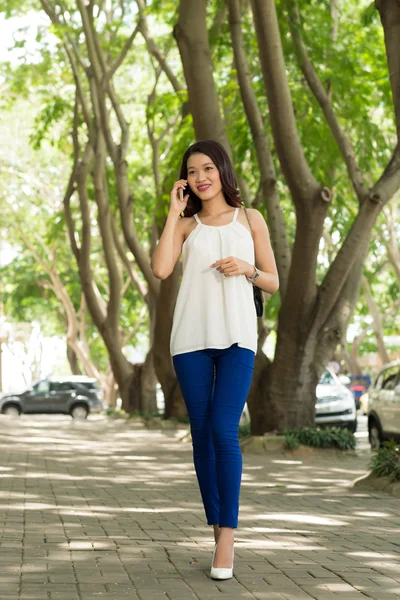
369	14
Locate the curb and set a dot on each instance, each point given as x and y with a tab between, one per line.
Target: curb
274	443
383	484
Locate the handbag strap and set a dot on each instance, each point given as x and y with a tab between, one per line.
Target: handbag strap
256	290
248	220
251	230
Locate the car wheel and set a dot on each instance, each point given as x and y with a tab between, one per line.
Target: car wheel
11	411
375	435
79	411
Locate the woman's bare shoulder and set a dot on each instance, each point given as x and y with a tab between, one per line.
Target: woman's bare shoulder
255	213
256	217
187	224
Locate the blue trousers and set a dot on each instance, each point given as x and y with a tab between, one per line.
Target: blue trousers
215	384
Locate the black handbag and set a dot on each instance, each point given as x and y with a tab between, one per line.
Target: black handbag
257	292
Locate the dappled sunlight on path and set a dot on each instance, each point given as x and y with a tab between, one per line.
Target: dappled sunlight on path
108	509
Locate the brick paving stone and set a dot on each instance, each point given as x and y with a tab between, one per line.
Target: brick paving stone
103	509
32	595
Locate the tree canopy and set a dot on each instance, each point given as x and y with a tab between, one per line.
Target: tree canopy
99	102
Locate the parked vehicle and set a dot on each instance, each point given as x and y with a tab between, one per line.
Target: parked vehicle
77	381
384	406
76	396
335	404
359	384
364	404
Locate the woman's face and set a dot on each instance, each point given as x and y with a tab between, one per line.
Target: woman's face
203	176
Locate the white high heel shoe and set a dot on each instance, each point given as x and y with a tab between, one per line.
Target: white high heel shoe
221	572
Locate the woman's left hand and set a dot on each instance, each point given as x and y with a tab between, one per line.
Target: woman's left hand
233	266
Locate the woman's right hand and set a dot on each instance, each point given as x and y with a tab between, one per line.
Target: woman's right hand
177	205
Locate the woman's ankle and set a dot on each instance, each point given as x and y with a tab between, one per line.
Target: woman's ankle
226	534
216	532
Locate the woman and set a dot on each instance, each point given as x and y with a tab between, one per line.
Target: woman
214	331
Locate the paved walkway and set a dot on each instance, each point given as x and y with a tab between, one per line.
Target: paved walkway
107	510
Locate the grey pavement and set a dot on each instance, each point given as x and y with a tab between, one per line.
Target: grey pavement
105	509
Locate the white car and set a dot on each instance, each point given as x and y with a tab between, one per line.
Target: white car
384	406
335	404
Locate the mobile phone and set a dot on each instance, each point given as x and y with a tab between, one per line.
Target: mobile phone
180	194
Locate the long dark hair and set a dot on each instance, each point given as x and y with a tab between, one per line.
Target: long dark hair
221	160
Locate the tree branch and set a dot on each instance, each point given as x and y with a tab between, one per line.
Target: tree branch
196	59
299	177
218	22
389	182
54	18
322	97
126	340
68	213
357	238
120	59
265	163
132	274
376	319
392	245
355	244
104	220
83	260
153	49
390	17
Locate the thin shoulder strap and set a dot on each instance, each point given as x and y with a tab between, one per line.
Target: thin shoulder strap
235	214
248	220
197	218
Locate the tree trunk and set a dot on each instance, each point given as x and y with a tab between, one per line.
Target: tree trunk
95	109
174	406
377	321
312	319
352	358
110	390
390	17
132	398
256	400
390	240
191	35
73	361
301	359
147	385
270	194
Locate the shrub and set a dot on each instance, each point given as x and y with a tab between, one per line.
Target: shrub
179	419
325	437
145	416
386	462
291	440
115	413
244	430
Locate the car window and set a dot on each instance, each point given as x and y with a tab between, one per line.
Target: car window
60	386
326	379
41	388
391	377
90	385
379	380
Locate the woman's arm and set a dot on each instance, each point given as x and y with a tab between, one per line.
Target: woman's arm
168	248
171	241
265	260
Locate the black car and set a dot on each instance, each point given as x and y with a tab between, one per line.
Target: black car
76	396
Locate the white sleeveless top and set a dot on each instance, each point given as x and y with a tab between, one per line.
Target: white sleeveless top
214	311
